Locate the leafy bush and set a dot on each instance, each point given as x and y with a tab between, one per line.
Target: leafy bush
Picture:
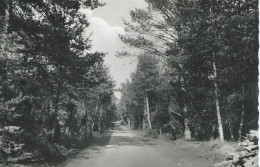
174	128
154	133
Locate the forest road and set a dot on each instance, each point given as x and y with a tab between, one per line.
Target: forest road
122	147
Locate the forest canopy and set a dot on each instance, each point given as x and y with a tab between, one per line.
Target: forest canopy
53	91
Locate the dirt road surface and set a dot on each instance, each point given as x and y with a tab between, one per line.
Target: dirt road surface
121	147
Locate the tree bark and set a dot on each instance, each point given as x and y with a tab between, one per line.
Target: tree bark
220	127
211	133
89	125
140	123
144	113
56	109
85	123
1	99
6	23
231	133
242	113
242	95
100	128
187	132
129	122
148	112
92	125
97	119
143	123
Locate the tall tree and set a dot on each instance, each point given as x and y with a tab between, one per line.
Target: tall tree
198	41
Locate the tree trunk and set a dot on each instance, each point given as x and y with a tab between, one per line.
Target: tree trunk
56	109
98	117
68	128
211	133
129	122
231	133
1	102
99	127
242	113
196	134
143	123
140	123
220	127
148	112
6	23
187	132
89	125
85	131
92	125
85	120
144	114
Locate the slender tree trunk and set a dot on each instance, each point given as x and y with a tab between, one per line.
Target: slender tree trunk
85	130
195	132
242	96
1	110
89	124
98	117
144	113
187	132
220	127
140	123
6	23
231	132
100	120
85	123
148	112
129	122
56	109
143	123
242	113
93	125
99	127
1	98
211	133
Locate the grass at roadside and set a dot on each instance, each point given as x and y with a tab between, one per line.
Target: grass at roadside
213	150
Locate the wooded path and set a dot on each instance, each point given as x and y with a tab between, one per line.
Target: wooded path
122	147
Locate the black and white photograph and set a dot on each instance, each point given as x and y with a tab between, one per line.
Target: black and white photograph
129	83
